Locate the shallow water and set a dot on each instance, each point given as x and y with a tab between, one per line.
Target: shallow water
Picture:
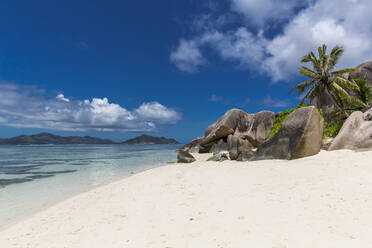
33	177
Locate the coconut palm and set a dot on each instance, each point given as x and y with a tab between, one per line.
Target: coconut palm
322	80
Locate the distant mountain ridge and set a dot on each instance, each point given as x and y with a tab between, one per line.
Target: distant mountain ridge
48	138
147	139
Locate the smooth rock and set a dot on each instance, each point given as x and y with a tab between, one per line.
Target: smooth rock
300	136
253	127
184	157
355	134
256	128
364	71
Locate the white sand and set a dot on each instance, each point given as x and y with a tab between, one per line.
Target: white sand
320	201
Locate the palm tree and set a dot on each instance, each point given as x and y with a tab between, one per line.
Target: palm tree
323	80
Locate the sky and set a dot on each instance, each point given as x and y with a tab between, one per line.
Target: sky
117	69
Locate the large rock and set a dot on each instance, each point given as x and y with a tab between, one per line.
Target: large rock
193	146
184	157
364	71
356	133
325	103
219	147
252	127
256	128
224	126
237	145
299	136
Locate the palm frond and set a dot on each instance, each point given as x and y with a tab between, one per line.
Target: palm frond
357	103
364	91
340	92
335	56
304	71
348	84
302	87
343	71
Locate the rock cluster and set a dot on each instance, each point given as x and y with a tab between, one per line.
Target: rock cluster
245	137
237	131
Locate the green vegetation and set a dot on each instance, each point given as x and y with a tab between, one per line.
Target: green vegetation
278	121
363	97
332	129
322	80
329	129
347	94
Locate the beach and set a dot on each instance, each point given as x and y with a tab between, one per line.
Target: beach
319	201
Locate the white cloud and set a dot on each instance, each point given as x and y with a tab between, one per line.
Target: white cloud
187	56
62	98
154	111
259	12
23	106
345	22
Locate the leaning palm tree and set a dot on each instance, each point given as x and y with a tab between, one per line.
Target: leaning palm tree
322	80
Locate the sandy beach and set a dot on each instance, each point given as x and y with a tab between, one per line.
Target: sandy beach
319	201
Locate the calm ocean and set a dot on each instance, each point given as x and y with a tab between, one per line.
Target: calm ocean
34	177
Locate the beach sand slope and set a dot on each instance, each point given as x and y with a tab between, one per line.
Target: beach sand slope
319	201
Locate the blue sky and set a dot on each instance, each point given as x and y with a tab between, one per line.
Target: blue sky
120	68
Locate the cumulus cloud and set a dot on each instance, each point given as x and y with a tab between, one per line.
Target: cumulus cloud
154	111
62	98
187	56
304	25
25	106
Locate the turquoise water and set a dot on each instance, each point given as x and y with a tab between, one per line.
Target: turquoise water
33	177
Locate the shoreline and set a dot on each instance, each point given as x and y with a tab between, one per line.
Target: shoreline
212	204
25	216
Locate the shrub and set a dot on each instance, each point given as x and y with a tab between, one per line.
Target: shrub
333	129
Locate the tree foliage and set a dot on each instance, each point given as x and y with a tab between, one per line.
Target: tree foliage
323	79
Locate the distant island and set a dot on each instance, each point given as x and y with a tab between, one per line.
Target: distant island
48	138
147	139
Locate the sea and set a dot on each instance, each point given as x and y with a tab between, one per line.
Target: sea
34	177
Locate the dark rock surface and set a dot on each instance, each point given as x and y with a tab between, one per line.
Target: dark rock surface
254	128
299	136
184	157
